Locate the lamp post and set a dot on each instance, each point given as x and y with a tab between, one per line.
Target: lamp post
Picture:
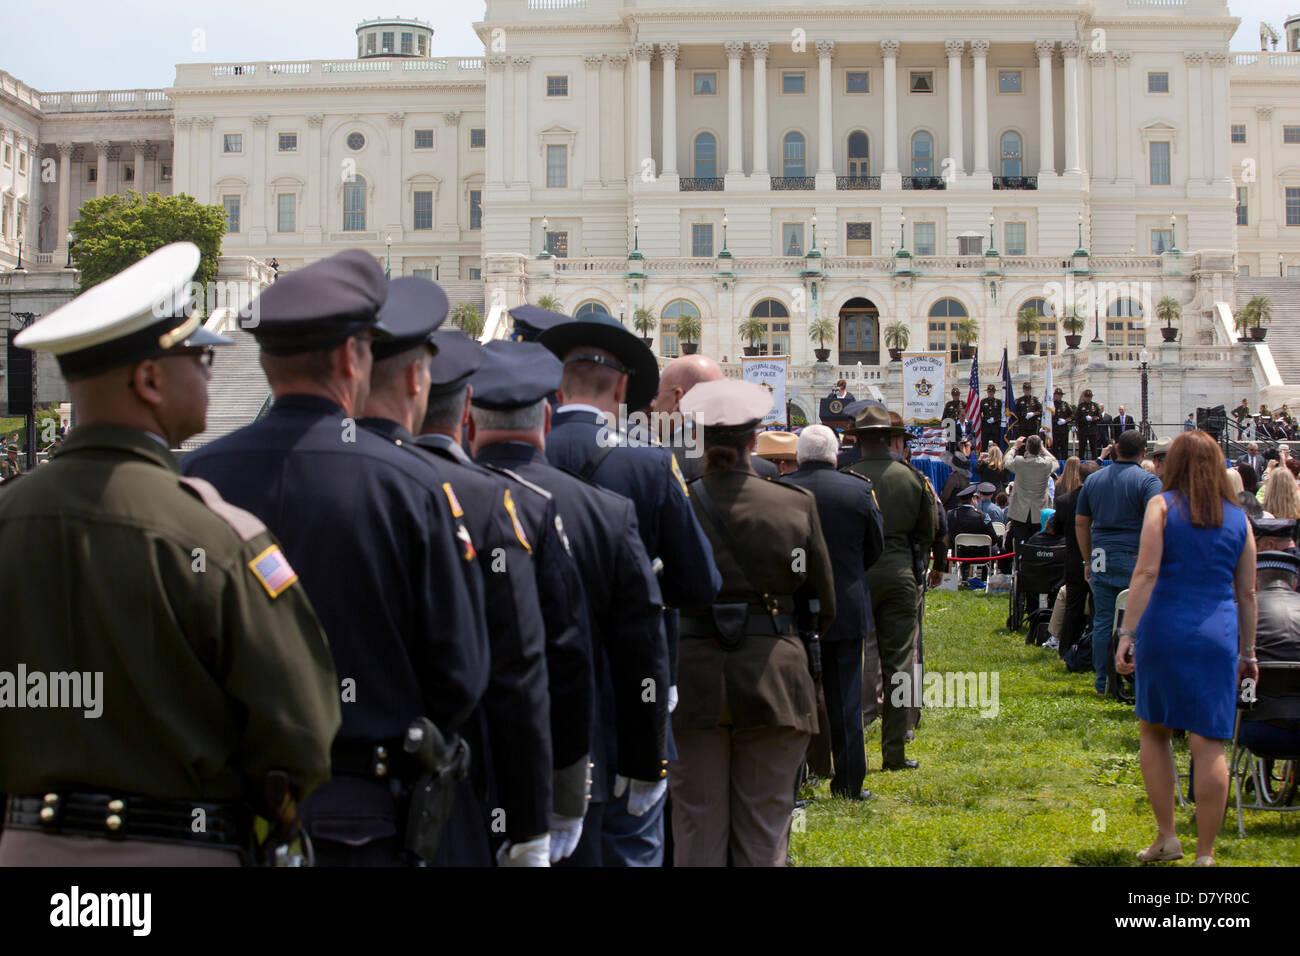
1279	264
1173	234
546	239
814	233
19	267
622	309
1143	358
636	233
992	250
388	257
72	241
1096	318
902	233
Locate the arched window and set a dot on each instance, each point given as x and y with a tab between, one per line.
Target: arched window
1011	154
354	204
1125	324
591	307
945	316
706	156
922	154
777	319
793	155
1047	317
669	339
859	154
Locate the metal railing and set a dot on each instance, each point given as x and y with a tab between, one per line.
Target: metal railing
794	182
700	184
924	182
1015	182
857	182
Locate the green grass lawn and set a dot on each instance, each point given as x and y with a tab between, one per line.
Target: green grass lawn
1053	779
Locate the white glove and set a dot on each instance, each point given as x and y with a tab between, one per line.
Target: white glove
1060	421
534	852
672	698
565	834
643	795
1087	418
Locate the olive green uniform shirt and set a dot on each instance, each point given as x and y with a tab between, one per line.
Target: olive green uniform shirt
208	681
907	509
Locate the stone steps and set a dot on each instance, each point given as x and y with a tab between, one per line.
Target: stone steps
236	392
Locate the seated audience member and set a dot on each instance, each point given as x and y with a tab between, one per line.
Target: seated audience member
1272	726
967	518
986	504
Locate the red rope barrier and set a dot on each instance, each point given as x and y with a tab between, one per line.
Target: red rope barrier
995	557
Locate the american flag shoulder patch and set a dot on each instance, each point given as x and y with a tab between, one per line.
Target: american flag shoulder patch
272	569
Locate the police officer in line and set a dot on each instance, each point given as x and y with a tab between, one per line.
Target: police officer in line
748	705
536	525
955	412
1029	410
1087	424
389	567
509	732
1062	418
509	421
608	369
908	509
990	419
218	693
9	467
967	518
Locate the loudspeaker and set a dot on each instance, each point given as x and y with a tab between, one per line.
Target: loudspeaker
21	366
1213	420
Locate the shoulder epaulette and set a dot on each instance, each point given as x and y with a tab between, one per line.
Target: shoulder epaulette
245	524
515	476
857	475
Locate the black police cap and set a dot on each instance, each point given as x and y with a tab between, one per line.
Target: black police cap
1273	527
1279	560
531	321
568	340
987	488
968	491
413	311
320	305
514	374
456	358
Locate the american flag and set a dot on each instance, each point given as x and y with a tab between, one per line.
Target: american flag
973	401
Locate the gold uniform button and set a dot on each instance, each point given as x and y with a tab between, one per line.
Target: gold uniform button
51	798
113	822
116	806
47	814
381	769
663	773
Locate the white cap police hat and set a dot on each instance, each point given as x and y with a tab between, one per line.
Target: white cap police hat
727	403
140	313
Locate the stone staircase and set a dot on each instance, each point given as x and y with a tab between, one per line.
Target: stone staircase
1283	338
237	391
465	290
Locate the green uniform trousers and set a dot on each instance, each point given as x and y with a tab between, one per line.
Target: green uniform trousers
894	608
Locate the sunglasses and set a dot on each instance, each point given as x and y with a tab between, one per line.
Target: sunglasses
205	354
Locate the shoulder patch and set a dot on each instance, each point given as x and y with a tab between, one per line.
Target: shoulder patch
245	524
272	570
456	511
514	520
564	538
677	473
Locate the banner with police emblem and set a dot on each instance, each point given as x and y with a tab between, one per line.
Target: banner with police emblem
923	387
770	373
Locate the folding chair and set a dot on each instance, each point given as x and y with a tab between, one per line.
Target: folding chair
999	530
1269	784
974	542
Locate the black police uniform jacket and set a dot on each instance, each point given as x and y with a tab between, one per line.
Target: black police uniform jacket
1026	404
625	613
967	519
387	565
991	417
855	538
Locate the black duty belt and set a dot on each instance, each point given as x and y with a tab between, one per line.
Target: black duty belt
223	826
759	624
376	760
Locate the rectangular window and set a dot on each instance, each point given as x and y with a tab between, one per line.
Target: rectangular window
166	171
370	43
128	174
1010	81
92	173
702	239
424	139
423	274
476	273
232	143
288	142
1161	241
423	209
792	239
476	209
9	155
557	244
1239	132
1159	164
419	44
1157	82
388	41
793	81
921	81
1014	238
780	338
857	238
1293	206
857	81
407	46
557	86
1291	271
1291	135
1243	271
22	161
286	212
477	138
923	238
557	166
231	205
1243	216
668	344
705	84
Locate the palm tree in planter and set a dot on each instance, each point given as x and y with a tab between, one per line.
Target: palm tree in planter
821	332
968	333
753	331
550	303
1029	323
1169	311
688	333
1074	324
897	335
1253	316
468	319
643	320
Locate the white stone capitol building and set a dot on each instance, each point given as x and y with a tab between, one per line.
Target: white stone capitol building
907	165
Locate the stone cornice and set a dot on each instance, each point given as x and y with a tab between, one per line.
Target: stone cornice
460	87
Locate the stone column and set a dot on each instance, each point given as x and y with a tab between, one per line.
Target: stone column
519	110
956	147
759	49
1123	110
644	145
1099	143
139	146
825	117
396	205
980	134
1221	128
203	156
889	50
592	172
496	119
617	132
1070	51
257	216
450	219
1268	188
65	198
669	51
1196	114
315	201
101	167
1046	126
735	122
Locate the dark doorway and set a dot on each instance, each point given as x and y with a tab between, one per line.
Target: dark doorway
859	333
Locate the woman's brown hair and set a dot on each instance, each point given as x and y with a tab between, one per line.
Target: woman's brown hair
1195	470
1070	478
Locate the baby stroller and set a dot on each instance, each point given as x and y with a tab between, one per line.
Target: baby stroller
1036	578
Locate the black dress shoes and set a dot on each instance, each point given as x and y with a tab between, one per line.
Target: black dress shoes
907	764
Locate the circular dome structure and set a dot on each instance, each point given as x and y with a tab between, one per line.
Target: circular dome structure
1292	28
394	36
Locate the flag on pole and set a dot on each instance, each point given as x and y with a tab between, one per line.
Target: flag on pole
1008	405
1047	388
973	401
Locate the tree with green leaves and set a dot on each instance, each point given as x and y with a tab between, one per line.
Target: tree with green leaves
643	320
550	303
115	231
468	319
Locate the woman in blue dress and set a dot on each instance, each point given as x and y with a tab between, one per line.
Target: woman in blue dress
1191	610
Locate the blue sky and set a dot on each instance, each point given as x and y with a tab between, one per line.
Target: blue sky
106	45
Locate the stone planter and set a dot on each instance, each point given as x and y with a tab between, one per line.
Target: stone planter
822	354
751	349
1169	335
1257	334
1072	341
965	353
690	348
1028	348
649	341
895	355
